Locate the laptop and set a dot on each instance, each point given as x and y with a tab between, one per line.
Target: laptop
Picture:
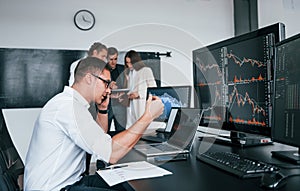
163	134
185	125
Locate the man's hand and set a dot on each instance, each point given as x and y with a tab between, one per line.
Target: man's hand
117	95
133	95
104	103
154	107
113	85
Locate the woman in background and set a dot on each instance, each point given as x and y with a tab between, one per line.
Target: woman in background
138	77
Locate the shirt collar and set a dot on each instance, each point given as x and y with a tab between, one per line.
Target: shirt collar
77	96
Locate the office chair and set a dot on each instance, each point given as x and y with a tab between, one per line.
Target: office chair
11	166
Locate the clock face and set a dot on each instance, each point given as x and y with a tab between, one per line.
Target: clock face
84	19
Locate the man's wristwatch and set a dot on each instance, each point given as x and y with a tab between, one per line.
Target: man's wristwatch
102	111
105	111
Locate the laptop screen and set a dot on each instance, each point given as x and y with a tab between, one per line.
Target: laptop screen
172	116
171	96
185	126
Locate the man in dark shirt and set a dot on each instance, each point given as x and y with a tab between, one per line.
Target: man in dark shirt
117	111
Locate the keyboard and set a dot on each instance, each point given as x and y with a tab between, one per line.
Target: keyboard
236	165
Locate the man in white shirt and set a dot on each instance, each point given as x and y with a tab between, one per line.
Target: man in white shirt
97	50
65	131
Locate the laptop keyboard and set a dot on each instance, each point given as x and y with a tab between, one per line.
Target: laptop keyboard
164	147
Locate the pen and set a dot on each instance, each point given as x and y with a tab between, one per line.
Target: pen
113	167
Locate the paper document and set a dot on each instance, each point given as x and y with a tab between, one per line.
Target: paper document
131	171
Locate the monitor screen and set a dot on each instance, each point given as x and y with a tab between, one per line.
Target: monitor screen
286	121
171	96
232	81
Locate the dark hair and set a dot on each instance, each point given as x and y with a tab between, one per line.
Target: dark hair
112	51
89	65
96	46
136	60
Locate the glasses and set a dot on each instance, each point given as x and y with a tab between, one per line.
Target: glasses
107	82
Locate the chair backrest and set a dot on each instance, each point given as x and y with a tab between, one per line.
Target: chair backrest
11	165
10	170
8	175
3	166
7	183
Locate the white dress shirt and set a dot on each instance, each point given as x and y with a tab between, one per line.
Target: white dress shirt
63	133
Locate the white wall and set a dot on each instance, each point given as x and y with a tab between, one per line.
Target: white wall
169	25
285	11
179	26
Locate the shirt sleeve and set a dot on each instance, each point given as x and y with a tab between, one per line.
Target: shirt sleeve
87	134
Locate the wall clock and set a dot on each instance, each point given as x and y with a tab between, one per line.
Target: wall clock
84	19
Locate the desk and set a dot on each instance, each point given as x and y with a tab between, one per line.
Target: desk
193	174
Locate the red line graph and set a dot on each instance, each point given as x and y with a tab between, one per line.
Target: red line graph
249	122
208	67
216	99
242	100
243	61
201	84
215	118
253	79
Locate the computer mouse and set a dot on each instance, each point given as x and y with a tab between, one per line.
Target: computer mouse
271	180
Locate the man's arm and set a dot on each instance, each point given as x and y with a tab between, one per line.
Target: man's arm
123	142
102	114
102	120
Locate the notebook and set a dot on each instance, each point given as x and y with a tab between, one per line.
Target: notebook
163	134
185	125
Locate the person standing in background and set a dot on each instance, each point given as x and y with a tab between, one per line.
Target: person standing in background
138	78
116	111
97	50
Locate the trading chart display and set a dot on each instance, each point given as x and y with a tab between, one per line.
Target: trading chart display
287	93
233	84
209	86
248	67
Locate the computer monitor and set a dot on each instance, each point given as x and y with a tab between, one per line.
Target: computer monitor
286	120
171	96
232	81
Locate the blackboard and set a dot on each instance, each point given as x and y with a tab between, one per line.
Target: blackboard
30	77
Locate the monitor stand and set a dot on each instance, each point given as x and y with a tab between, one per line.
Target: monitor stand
235	138
292	156
245	139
